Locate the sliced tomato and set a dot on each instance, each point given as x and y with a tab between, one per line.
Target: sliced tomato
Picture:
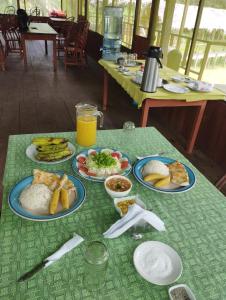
83	169
81	159
91	174
124	164
115	154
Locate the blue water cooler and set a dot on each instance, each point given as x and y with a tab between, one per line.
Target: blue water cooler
112	32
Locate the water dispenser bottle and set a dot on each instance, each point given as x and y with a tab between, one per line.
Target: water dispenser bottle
112	32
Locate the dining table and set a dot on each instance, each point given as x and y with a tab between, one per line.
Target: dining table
39	31
161	98
194	220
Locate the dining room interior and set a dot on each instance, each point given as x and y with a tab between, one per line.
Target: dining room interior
150	74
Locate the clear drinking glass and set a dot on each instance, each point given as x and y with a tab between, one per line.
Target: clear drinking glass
129	127
96	261
135	56
127	136
131	61
125	56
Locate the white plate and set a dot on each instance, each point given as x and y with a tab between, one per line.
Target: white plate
31	152
175	88
157	262
178	78
128	73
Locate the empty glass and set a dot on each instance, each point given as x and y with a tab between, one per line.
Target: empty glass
125	56
129	127
96	261
131	59
127	136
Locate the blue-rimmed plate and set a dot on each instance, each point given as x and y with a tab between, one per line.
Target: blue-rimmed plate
79	167
15	206
138	167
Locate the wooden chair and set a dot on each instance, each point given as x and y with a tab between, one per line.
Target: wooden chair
2	56
221	182
65	32
35	12
12	39
173	59
10	10
9	21
75	50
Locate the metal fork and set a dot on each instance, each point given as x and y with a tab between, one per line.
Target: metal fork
151	155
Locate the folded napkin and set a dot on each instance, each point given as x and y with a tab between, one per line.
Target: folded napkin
134	215
202	86
68	246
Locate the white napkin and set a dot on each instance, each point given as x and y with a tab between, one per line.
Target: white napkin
134	215
68	246
202	86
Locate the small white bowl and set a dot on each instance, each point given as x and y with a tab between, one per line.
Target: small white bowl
134	197
117	194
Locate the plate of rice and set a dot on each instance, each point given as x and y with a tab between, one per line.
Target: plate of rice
164	174
31	201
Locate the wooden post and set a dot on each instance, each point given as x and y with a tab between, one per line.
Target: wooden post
204	61
18	4
166	27
194	36
86	9
185	12
136	20
97	16
153	21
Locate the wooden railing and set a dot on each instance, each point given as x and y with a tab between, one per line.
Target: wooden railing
175	41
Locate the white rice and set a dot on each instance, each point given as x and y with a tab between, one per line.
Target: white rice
155	166
36	198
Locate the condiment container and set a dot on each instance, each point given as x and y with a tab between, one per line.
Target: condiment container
115	192
181	292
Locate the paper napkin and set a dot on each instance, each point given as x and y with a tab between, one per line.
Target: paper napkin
202	86
134	215
68	246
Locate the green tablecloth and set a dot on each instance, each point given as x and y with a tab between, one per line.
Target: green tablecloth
195	222
138	96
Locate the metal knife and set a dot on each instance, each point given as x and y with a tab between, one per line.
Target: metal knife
65	248
32	272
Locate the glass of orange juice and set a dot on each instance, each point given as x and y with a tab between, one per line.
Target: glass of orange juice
86	123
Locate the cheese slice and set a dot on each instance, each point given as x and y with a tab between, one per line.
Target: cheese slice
178	174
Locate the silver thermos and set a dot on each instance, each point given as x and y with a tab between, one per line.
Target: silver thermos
151	70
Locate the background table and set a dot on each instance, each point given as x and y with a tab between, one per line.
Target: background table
195	222
161	98
40	31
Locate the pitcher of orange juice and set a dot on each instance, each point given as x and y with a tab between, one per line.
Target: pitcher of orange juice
86	123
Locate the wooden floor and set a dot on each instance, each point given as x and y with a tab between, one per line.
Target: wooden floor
37	100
